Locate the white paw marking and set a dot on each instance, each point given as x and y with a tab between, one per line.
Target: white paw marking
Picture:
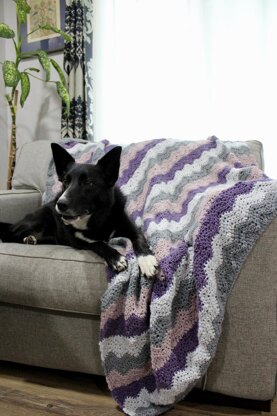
31	239
121	264
148	265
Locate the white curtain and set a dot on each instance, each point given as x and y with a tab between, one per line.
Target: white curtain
186	69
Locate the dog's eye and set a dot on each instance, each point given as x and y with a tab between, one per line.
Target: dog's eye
85	180
65	182
89	182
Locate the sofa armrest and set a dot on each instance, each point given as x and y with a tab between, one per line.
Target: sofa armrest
15	204
245	363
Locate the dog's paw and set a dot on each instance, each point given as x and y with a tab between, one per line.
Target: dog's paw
120	264
148	265
30	239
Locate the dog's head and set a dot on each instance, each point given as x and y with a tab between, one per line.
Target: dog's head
85	188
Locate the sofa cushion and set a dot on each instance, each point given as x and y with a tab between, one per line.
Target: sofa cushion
255	147
257	150
52	277
32	161
16	203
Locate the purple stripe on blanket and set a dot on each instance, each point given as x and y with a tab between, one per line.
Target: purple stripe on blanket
203	250
186	160
132	390
164	376
169	265
133	326
164	178
108	146
191	249
188	343
176	216
134	163
68	145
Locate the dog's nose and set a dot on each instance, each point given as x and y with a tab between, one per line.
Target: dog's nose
62	206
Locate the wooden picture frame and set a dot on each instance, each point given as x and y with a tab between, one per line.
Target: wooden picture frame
43	11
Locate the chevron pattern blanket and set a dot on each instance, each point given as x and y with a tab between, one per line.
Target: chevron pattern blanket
202	206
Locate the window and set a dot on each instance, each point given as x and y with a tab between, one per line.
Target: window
186	69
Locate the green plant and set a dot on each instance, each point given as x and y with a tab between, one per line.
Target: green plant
13	77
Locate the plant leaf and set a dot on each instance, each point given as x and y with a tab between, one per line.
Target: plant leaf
63	93
22	9
45	63
11	74
34	69
25	87
24	55
55	29
6	32
59	71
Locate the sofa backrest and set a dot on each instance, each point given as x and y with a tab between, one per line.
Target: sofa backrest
33	161
257	150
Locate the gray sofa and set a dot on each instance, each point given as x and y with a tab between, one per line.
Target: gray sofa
50	299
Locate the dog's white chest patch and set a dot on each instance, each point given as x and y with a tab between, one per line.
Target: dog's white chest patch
80	223
81	236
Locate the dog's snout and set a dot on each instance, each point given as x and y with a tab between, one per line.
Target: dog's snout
62	206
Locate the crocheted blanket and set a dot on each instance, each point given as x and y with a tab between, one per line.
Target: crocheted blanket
202	205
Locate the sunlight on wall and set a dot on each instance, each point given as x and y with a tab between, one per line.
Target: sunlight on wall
186	71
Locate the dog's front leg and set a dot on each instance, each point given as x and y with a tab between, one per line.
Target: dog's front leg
114	259
38	238
147	262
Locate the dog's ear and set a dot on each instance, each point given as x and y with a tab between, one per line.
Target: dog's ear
62	160
110	164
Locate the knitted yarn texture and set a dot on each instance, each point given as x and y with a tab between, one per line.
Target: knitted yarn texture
202	205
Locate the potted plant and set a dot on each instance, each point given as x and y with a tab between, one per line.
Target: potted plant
14	77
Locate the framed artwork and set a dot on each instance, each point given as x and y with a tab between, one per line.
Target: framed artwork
42	12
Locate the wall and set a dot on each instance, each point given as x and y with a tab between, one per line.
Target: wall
3	114
40	119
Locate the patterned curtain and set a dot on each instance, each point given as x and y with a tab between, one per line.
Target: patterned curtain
78	68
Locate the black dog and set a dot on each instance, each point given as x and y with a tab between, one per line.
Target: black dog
86	214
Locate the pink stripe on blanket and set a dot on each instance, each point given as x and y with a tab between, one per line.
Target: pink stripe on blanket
85	157
127	306
114	311
57	186
138	307
161	247
134	149
176	205
116	379
184	322
158	169
246	160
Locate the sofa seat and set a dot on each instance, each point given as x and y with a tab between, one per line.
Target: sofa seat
51	277
50	299
50	305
